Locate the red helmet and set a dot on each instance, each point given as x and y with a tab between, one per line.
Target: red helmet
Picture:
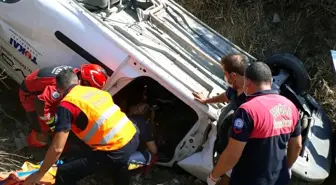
94	75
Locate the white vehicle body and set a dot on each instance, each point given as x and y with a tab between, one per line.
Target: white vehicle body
178	54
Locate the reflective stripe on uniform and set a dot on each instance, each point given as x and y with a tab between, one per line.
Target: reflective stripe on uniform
114	131
109	112
108	127
51	120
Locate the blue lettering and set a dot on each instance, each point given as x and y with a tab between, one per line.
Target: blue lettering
15	44
34	60
22	50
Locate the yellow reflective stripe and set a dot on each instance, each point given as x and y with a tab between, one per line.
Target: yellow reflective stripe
133	166
114	131
98	123
51	120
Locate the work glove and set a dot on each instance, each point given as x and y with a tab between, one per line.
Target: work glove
211	180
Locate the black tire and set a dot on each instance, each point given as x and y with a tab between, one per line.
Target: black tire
224	112
299	79
223	129
224	134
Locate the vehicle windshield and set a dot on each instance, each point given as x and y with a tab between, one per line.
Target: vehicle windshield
215	70
174	36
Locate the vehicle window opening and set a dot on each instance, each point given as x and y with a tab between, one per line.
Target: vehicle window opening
172	117
80	51
97	5
9	1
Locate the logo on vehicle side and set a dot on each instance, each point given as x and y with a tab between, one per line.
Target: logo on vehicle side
24	51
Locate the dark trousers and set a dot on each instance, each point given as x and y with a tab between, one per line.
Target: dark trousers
33	121
114	162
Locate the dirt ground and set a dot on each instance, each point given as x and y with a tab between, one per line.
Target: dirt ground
304	28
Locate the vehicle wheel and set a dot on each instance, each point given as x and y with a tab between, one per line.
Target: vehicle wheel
225	111
223	131
299	79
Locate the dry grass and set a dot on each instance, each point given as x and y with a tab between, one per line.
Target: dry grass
307	29
11	126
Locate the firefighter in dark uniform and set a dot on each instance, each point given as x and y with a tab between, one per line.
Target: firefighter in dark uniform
261	129
39	97
94	118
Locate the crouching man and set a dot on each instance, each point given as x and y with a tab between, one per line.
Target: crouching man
94	118
39	97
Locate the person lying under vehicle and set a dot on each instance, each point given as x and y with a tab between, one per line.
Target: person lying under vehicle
137	114
262	127
95	119
39	97
233	66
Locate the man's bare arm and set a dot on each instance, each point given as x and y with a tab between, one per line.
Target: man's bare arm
55	150
293	150
151	147
216	99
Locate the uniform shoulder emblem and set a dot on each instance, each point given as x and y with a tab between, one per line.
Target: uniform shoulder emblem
238	124
55	95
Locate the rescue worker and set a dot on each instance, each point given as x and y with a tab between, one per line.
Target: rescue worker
233	66
39	97
261	129
95	119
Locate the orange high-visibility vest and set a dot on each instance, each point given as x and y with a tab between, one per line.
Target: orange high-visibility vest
108	128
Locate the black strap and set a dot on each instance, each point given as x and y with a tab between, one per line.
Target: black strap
24	89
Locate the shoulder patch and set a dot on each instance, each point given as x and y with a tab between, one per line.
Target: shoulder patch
238	124
55	95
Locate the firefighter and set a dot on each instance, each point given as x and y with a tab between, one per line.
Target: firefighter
94	118
39	97
266	135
